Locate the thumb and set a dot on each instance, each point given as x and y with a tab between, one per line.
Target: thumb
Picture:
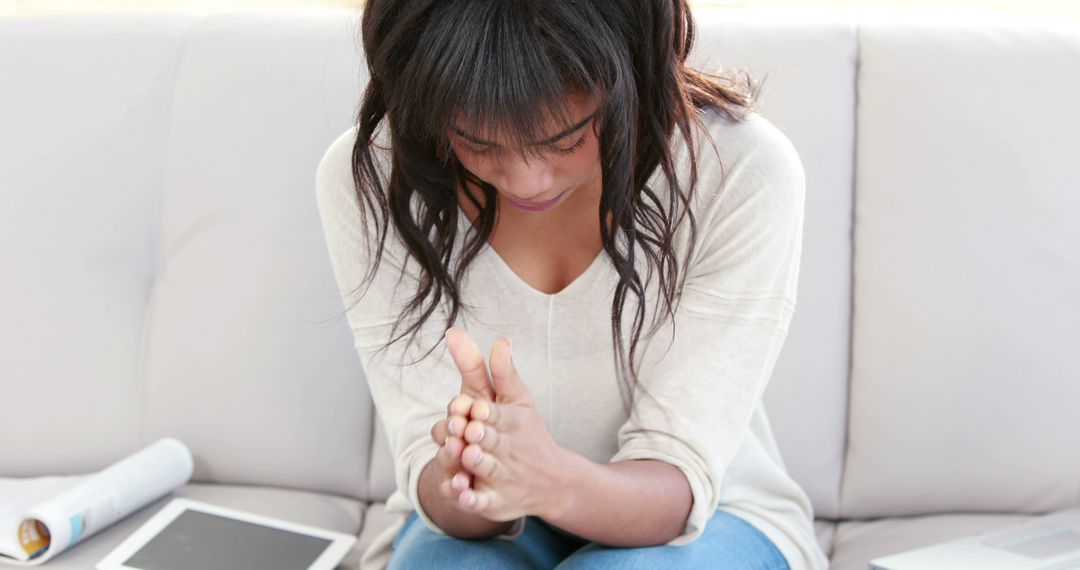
508	384
470	364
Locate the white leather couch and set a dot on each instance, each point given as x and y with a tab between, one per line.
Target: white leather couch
163	271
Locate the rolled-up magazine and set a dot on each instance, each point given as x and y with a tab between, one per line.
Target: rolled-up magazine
43	516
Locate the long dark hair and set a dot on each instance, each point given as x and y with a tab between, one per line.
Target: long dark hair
508	66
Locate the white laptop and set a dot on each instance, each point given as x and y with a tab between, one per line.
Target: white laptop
1048	542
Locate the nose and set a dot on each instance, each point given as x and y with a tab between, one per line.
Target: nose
526	180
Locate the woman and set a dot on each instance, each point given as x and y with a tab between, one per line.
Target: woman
526	170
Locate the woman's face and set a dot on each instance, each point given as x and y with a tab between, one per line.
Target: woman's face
567	158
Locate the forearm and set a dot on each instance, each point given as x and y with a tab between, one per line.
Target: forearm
627	503
450	518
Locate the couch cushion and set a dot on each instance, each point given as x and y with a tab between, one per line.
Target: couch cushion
376	520
249	358
825	531
169	264
964	371
859	542
315	509
81	150
381	482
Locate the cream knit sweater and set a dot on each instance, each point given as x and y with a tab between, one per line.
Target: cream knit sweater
706	374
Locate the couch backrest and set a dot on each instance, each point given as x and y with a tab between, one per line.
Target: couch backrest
966	378
169	275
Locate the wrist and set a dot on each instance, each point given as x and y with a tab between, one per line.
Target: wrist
567	472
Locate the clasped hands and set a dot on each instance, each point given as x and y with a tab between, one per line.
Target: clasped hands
496	457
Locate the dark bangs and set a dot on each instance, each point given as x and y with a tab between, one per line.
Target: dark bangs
510	79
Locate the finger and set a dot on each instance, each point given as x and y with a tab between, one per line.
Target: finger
446	490
475	379
451	487
449	455
460	404
488	412
467	500
509	387
482	434
483	501
460	481
475	501
484	465
454	447
438	432
455	425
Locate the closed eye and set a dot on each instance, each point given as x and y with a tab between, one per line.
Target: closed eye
490	149
479	151
573	148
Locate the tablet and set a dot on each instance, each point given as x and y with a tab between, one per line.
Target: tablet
187	535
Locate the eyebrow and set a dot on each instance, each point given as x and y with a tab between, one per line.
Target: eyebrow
564	133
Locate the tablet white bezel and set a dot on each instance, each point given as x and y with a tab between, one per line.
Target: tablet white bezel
328	560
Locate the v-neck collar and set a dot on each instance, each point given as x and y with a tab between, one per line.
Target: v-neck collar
514	281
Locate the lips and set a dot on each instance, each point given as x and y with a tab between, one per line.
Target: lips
535	207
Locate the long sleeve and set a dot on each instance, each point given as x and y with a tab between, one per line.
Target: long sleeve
410	398
705	375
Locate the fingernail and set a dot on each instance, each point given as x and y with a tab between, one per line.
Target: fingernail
472	499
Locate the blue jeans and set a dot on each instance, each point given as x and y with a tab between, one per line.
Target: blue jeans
728	542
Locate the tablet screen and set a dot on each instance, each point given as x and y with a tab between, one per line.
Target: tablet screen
196	539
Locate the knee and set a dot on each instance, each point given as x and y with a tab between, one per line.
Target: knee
458	554
597	557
